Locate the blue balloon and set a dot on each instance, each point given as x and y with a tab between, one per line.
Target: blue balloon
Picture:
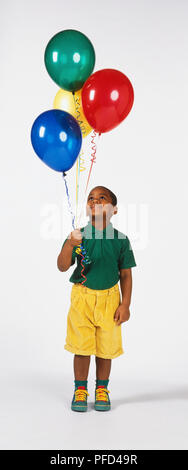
56	138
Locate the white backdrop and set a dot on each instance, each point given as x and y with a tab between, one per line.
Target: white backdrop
144	161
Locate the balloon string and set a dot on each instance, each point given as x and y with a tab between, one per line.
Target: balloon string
68	197
80	160
80	249
93	155
78	114
93	159
77	187
79	167
83	267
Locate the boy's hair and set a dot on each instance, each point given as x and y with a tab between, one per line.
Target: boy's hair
112	195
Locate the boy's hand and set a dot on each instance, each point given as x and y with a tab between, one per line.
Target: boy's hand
122	314
75	237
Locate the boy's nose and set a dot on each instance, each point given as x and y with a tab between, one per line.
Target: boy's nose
97	202
94	201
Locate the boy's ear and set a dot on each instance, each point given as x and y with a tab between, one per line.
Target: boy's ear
115	210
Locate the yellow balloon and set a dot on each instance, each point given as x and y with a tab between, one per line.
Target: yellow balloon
65	101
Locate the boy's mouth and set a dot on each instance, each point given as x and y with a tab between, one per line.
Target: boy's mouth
97	207
98	211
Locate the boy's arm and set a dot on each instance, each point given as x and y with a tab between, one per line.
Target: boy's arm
122	313
65	257
126	286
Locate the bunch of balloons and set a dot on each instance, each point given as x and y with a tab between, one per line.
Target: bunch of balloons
84	102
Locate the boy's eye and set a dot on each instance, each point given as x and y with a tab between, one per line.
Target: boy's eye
101	197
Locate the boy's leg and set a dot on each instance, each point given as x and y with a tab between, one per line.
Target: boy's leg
103	367
81	367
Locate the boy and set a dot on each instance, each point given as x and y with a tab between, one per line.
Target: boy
96	311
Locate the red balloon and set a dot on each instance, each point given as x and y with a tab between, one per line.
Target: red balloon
107	98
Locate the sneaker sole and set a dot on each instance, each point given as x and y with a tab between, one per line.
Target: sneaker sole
102	407
78	408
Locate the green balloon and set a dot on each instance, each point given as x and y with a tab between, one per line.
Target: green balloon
69	59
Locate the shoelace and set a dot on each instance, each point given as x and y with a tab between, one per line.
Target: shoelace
101	394
80	394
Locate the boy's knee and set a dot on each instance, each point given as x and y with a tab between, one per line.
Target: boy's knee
81	355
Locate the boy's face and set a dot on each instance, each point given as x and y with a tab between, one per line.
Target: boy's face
99	204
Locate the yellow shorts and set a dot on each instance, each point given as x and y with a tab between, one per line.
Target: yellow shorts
91	328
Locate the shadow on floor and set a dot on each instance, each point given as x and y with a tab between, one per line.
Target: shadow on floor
176	394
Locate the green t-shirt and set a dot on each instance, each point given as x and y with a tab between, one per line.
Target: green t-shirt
108	251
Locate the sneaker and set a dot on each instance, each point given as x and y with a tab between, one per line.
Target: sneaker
102	401
79	401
